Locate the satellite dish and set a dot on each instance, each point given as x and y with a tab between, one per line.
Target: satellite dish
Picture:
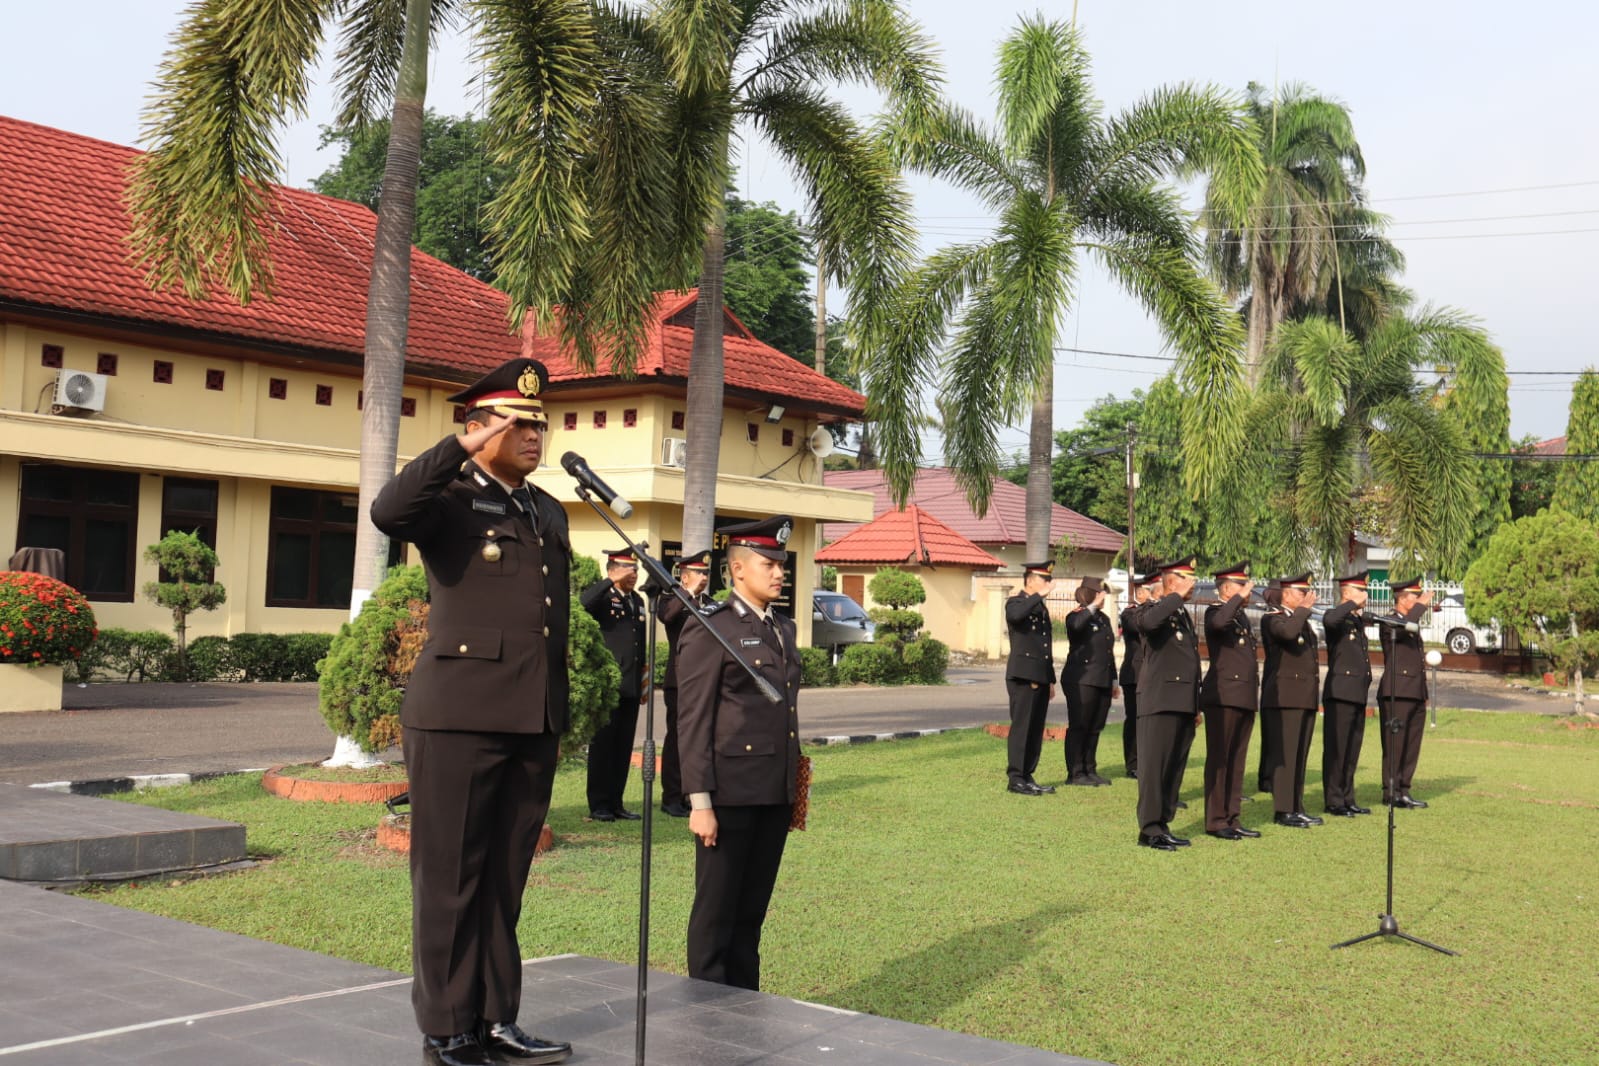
820	443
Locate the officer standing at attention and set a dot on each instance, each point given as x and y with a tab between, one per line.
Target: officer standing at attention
1029	676
1229	696
694	574
1289	690
1168	699
1088	681
620	612
740	755
483	711
1269	724
1402	695
1142	592
1343	696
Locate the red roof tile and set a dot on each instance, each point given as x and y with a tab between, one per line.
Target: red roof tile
1552	446
63	228
909	536
748	365
936	493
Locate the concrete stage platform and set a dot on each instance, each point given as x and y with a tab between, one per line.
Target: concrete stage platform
53	837
89	984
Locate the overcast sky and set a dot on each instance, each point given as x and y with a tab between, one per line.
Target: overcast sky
1475	121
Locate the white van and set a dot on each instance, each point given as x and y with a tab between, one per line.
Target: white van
1449	626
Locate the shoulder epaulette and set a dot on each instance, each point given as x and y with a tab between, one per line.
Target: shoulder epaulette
712	608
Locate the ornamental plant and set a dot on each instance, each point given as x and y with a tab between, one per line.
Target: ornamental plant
42	621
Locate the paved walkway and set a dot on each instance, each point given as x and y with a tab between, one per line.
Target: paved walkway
88	983
118	730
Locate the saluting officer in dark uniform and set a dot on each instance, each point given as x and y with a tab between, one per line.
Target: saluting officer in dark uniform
1029	676
740	755
1269	725
1088	681
1402	695
483	711
620	613
1229	697
694	574
1168	700
1343	696
1289	689
1132	662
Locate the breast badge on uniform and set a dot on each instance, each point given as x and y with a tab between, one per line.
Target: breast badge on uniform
491	552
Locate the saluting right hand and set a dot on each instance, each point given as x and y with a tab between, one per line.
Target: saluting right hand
476	440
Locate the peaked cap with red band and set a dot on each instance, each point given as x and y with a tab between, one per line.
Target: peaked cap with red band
1045	569
1413	585
1184	567
768	536
700	561
1356	580
1235	572
1298	581
511	389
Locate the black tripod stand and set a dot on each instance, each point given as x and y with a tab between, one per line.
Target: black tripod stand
1387	924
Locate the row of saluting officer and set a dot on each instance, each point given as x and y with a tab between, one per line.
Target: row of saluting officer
487	703
1165	694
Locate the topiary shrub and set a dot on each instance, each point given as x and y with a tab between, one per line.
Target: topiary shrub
926	661
595	681
361	684
42	621
816	668
898	591
872	664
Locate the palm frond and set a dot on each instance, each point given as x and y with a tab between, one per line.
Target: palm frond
368	60
699	41
1314	359
958	149
1421	457
1042	72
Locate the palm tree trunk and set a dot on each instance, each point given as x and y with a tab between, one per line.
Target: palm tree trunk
388	315
1260	304
705	381
1040	454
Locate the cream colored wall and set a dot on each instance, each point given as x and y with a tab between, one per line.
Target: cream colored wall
958	609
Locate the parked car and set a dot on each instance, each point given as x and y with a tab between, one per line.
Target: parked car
837	620
1449	626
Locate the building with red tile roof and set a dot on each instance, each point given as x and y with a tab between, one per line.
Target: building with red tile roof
1552	446
243	420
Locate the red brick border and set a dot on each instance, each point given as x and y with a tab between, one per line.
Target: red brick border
298	788
394	833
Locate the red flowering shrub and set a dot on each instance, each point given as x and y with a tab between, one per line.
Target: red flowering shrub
42	620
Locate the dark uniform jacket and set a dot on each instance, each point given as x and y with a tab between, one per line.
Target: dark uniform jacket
621	618
1291	676
1132	648
1404	666
1032	656
1169	680
1234	676
1091	658
497	628
731	741
673	614
1348	655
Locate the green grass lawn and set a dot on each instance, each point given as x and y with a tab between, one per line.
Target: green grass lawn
923	891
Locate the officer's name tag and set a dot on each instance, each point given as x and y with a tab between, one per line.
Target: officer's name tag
750	642
491	506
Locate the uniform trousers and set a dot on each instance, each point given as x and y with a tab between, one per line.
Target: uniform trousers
1227	731
1295	728
1401	749
1029	709
1161	760
1343	731
610	753
671	768
1270	749
733	884
1185	745
478	801
1087	707
1130	730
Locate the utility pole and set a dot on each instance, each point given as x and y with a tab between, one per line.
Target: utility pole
1132	489
821	309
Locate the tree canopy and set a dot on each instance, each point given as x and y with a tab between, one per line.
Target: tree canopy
1577	483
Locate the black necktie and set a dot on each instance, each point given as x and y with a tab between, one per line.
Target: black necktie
525	498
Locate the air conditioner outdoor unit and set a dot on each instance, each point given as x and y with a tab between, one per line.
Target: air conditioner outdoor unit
80	390
674	452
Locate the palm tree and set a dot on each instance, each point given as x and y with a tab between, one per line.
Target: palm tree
1064	182
739	67
1282	250
1349	417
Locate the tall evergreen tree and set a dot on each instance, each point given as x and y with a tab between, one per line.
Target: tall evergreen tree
1577	484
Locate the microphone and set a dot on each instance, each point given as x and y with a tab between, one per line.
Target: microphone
575	465
1395	623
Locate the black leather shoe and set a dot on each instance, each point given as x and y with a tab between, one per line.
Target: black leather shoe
462	1049
675	810
1341	812
1132	775
1181	842
601	816
1098	780
1160	842
1080	781
1413	803
1311	818
1355	808
624	815
1247	834
1292	821
1224	834
1022	788
1043	790
506	1042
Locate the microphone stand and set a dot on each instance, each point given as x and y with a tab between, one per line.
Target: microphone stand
665	581
1387	924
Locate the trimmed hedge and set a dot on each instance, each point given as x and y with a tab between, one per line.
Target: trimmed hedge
816	668
151	655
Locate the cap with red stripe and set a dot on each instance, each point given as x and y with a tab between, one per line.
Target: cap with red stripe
621	557
1355	581
1184	567
1413	585
767	536
510	389
700	562
1235	572
1043	569
1298	581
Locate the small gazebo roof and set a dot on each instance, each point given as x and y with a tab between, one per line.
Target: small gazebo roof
912	537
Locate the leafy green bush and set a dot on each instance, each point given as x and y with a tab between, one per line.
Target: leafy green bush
42	620
585	571
816	668
871	664
362	681
926	661
279	656
188	564
595	681
898	591
303	653
211	659
136	654
663	651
